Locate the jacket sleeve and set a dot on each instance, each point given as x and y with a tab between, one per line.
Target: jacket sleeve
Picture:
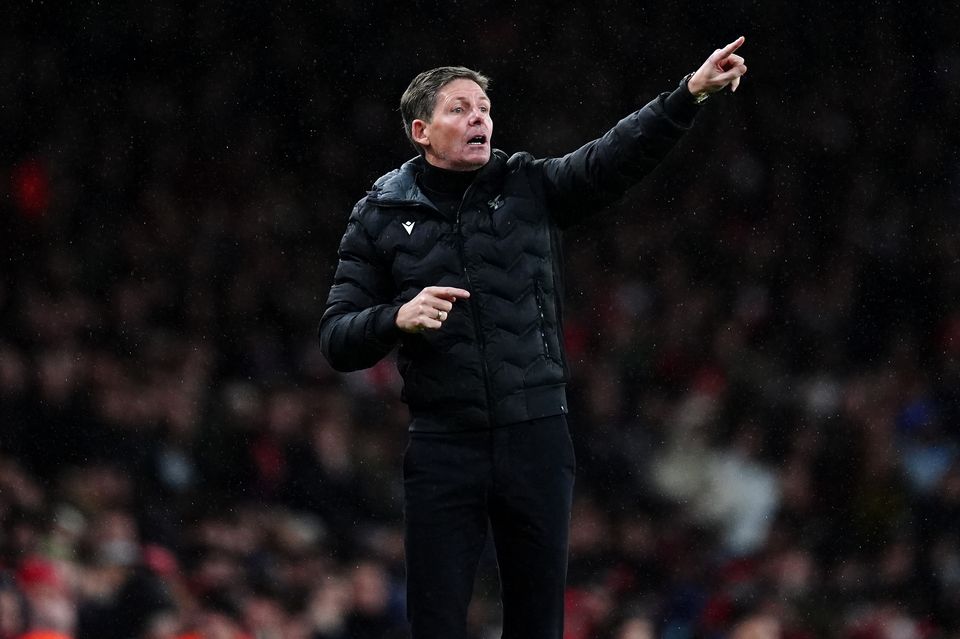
601	171
357	328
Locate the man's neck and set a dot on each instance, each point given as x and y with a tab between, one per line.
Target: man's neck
445	181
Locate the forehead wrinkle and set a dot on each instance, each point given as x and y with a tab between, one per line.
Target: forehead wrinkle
446	97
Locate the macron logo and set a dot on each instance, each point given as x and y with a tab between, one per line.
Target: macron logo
408	227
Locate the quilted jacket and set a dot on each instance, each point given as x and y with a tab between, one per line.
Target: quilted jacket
499	358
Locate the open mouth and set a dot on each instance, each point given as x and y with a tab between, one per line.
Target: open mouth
477	140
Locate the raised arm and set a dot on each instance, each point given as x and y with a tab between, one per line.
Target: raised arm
601	171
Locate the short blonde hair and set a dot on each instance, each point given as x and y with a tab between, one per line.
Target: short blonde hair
420	98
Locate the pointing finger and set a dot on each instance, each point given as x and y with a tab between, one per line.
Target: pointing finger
448	292
730	48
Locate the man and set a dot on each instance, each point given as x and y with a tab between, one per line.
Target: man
455	258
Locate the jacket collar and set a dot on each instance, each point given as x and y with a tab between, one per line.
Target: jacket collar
399	187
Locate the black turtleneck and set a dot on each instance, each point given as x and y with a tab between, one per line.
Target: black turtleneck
445	188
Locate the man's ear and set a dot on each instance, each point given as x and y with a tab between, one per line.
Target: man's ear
419	132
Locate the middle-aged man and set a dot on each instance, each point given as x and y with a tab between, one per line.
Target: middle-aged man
455	258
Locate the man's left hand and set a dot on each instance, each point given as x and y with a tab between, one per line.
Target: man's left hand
722	68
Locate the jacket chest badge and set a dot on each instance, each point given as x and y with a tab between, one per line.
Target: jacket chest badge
495	203
408	226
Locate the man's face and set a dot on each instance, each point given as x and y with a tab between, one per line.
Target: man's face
457	137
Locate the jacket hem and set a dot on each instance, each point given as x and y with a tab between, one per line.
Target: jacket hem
522	406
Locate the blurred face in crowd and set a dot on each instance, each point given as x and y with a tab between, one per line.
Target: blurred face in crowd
11	613
457	137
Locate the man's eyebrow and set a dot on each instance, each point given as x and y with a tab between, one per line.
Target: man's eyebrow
463	98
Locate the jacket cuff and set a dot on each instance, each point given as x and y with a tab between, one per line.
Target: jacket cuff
384	324
681	106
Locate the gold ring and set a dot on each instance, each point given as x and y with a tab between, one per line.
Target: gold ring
441	315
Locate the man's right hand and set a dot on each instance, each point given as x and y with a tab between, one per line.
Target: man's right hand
429	309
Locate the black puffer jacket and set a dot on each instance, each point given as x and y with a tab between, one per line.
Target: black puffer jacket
498	359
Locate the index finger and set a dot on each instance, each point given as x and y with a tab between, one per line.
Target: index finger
733	46
448	292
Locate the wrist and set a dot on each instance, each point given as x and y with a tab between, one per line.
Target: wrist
696	88
386	324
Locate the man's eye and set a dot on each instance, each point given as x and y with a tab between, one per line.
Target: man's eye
458	109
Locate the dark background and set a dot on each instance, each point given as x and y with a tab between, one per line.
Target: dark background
764	335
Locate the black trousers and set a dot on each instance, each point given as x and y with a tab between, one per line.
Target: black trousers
515	480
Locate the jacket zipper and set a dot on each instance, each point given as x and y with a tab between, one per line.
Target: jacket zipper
543	320
474	307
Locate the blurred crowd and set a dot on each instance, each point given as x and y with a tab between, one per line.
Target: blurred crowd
764	337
